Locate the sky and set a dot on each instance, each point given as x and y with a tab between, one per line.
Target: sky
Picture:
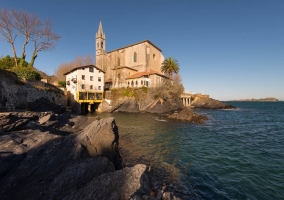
229	49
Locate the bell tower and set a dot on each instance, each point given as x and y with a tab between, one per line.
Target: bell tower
100	41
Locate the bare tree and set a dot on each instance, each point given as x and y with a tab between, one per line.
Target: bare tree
44	40
7	31
27	24
66	67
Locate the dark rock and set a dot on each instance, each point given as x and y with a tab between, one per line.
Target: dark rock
78	175
129	106
101	139
11	122
168	106
46	118
39	163
187	115
209	103
120	184
44	105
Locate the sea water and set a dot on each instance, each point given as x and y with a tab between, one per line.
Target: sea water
236	154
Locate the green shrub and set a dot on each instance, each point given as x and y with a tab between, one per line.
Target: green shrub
27	73
7	62
62	83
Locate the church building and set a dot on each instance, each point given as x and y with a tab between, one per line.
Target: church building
135	65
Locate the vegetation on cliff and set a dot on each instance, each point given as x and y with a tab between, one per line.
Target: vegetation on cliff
22	69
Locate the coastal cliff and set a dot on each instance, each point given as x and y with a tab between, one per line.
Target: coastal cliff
204	102
17	94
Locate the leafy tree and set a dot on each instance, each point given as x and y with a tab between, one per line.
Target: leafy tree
170	66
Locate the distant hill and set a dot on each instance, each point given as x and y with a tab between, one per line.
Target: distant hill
267	99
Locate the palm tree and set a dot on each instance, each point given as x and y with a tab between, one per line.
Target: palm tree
170	66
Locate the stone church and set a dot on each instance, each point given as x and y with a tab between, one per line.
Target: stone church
135	65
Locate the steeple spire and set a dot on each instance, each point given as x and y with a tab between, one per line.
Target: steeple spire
100	32
100	41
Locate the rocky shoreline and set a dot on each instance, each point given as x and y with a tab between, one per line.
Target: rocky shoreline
48	155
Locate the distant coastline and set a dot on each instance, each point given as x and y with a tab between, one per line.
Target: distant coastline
268	99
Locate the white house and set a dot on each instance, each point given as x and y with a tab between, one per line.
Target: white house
86	84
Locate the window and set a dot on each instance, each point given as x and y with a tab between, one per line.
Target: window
154	56
135	57
91	78
83	77
102	45
91	69
99	87
99	79
141	82
136	83
118	61
91	87
83	86
132	83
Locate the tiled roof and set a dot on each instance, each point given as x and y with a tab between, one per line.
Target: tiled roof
136	44
81	67
140	74
121	67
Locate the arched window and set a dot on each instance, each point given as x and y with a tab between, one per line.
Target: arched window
97	45
132	83
135	57
141	82
154	56
102	45
128	83
136	83
118	61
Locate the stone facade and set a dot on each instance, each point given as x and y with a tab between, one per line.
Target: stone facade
124	63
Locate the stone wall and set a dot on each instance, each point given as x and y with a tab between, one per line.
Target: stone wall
16	94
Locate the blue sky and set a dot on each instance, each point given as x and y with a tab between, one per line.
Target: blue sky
229	49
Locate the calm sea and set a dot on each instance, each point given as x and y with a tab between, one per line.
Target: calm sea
236	154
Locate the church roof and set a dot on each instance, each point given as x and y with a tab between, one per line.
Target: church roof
81	67
136	44
140	74
121	67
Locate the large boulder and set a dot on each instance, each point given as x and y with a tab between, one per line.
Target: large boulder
187	115
37	162
121	184
100	138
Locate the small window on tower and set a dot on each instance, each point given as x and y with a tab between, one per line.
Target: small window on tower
135	57
102	45
91	69
154	56
83	77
